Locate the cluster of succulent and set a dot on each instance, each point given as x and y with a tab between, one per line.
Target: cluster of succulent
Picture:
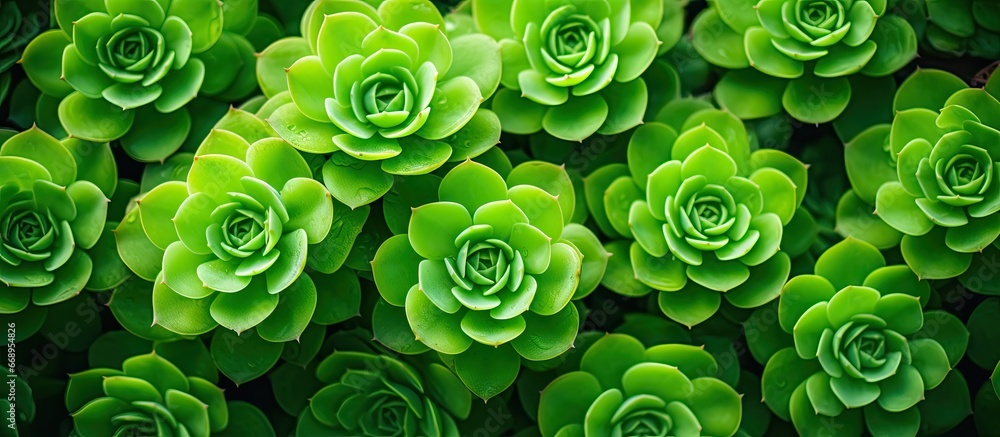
500	217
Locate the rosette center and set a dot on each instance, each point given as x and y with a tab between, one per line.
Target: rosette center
646	423
965	174
863	349
386	99
486	266
823	14
248	230
707	216
28	236
133	49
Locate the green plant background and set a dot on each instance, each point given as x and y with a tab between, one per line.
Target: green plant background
268	384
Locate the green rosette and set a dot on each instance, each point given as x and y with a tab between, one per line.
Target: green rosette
368	394
931	177
572	68
861	357
695	216
381	89
623	388
53	208
804	56
135	387
486	274
126	69
228	243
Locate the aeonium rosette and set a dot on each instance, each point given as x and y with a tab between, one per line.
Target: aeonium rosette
371	394
487	274
811	29
148	395
53	208
385	91
232	240
623	388
933	174
127	70
571	67
696	214
782	51
136	387
860	359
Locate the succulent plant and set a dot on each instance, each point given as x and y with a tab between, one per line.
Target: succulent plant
138	387
573	68
957	29
127	69
860	359
51	213
695	214
398	98
934	172
148	395
16	29
486	274
381	395
162	385
623	388
314	192
801	53
230	243
651	330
